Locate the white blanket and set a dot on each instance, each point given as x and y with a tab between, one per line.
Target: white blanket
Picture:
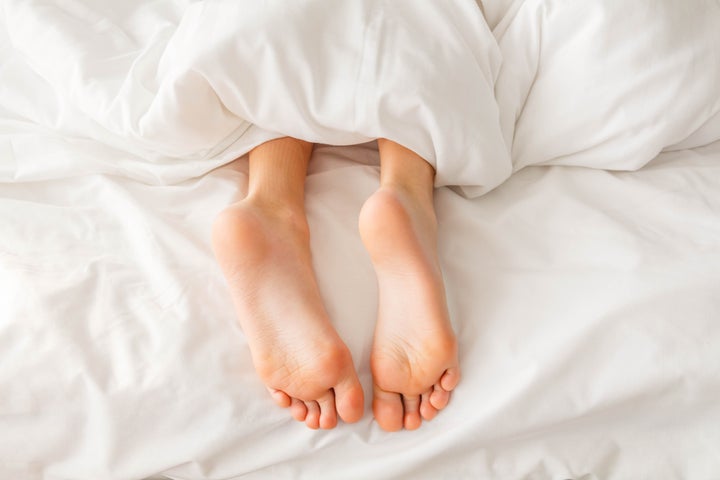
586	302
607	84
582	83
187	84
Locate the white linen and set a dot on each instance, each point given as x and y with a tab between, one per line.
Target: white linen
603	85
586	302
187	83
606	84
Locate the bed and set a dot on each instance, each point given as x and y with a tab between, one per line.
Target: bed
584	288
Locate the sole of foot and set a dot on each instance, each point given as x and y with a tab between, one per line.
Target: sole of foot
264	253
414	358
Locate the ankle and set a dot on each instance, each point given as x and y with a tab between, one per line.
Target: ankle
405	171
418	194
391	210
413	199
287	213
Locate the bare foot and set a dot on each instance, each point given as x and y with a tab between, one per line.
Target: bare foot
264	252
414	358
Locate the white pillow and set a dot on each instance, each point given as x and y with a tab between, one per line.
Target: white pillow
608	84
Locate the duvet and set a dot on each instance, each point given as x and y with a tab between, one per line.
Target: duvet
577	149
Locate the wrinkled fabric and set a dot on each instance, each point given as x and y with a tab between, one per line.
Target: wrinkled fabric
607	84
187	82
557	82
585	300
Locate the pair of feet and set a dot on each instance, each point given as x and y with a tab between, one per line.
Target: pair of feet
264	251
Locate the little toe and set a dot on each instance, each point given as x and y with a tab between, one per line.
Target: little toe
298	410
411	404
328	415
313	416
439	397
450	379
281	398
427	410
388	409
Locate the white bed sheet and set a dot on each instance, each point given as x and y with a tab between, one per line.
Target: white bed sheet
586	304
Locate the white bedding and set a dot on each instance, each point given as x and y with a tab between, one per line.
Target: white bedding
586	301
586	304
167	86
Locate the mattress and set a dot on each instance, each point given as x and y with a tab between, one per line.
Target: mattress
586	300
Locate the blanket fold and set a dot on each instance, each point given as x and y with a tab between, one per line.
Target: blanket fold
178	84
340	72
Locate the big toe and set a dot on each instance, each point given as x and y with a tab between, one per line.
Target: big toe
349	399
388	409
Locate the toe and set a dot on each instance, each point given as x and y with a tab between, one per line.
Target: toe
298	410
388	409
427	410
411	404
450	379
280	398
439	397
349	398
328	415
313	416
